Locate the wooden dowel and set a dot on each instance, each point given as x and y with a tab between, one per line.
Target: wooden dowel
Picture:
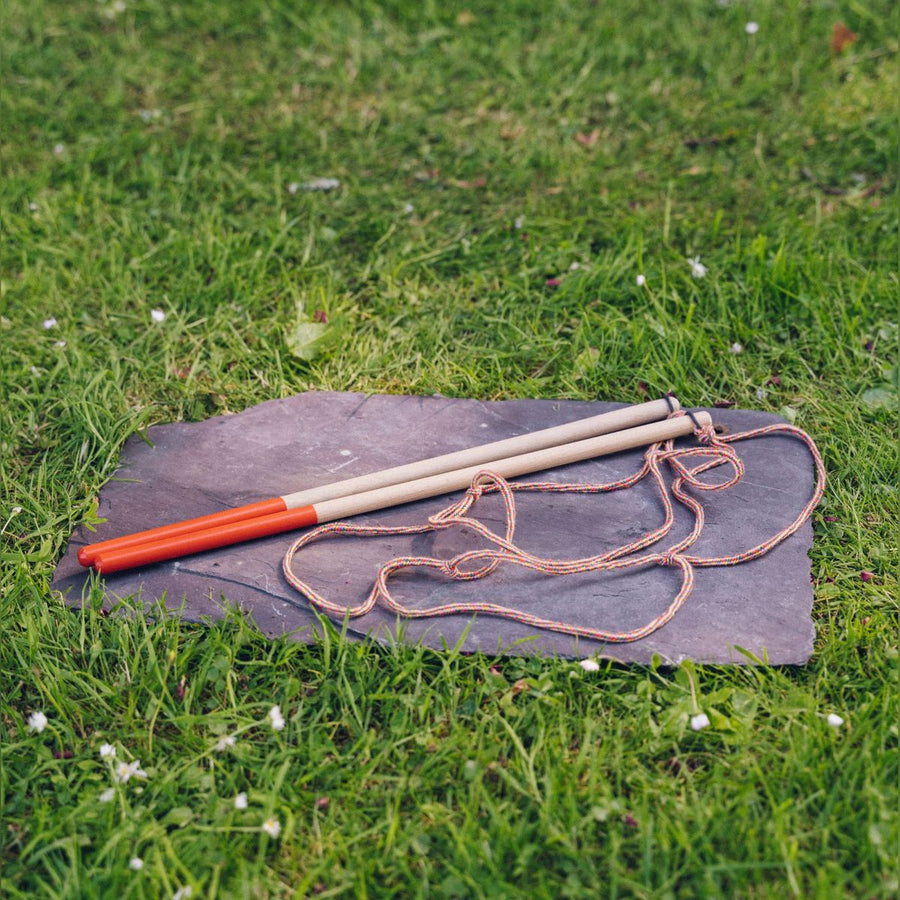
605	423
118	559
579	430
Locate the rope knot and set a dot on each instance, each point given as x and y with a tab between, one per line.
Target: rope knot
452	568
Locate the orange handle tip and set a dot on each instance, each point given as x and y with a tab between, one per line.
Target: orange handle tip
140	555
88	555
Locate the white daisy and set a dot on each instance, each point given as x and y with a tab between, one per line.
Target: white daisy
640	281
590	665
276	719
36	722
408	208
124	771
240	801
700	721
834	720
50	323
520	221
225	743
107	751
157	315
271	827
698	270
135	864
751	27
735	348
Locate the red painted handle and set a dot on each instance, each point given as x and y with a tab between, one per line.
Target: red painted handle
87	555
116	560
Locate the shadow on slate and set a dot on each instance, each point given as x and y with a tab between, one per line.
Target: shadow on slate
190	469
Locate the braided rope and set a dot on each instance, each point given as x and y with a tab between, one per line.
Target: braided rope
713	449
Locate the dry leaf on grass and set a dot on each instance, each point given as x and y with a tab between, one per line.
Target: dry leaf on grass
841	38
588	139
478	182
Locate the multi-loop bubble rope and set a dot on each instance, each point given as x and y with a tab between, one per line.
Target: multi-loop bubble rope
713	449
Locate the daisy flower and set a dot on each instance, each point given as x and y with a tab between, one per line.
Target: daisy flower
834	720
276	719
698	270
157	315
735	348
240	801
590	665
225	743
49	323
271	827
700	721
640	281
36	722
125	771
107	751
751	27
135	864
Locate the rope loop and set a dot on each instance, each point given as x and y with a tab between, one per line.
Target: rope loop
712	450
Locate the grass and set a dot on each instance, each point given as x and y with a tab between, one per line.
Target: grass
148	157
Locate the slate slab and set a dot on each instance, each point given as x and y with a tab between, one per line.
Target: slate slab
190	469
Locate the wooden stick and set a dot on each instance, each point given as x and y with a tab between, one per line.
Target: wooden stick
115	560
627	417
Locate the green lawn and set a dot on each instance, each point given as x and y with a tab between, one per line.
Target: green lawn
154	159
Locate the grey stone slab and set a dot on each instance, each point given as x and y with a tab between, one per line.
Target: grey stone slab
190	469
